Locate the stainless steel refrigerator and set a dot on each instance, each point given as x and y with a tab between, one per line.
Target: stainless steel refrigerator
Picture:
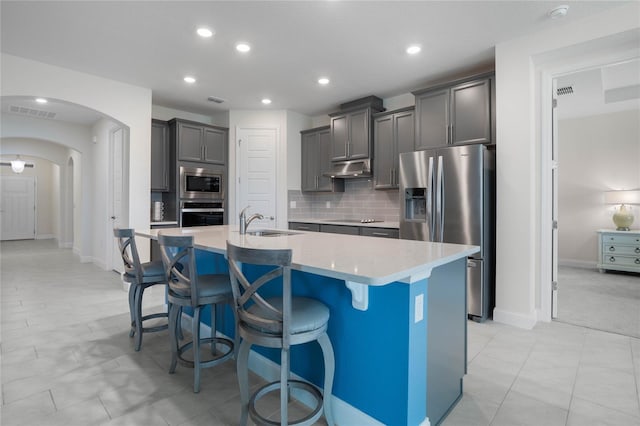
448	195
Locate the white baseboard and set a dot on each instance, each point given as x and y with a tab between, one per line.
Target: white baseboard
86	259
65	245
344	414
574	263
515	319
45	237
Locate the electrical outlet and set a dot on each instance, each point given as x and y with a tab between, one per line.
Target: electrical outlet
419	308
328	204
292	204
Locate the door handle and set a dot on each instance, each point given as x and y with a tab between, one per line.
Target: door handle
113	217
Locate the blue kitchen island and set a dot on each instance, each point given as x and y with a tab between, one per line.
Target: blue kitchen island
398	318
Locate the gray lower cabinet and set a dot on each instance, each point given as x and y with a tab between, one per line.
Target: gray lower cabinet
340	229
456	114
301	226
346	229
160	156
199	142
316	160
393	134
380	232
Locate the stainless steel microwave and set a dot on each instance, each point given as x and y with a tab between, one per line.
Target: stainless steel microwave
199	183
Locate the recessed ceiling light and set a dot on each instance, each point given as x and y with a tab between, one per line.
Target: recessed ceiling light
243	47
41	100
266	101
323	80
205	32
413	49
189	80
559	12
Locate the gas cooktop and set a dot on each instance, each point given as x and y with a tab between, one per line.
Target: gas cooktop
355	220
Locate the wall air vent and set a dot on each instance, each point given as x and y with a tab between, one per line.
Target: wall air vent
214	99
565	90
30	112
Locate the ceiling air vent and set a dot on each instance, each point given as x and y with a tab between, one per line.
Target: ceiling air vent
30	112
565	90
214	99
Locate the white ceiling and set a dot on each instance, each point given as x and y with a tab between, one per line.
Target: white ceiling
359	45
607	89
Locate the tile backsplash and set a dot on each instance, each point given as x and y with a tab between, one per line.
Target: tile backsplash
358	201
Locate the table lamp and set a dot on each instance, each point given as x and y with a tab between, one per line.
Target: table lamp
623	217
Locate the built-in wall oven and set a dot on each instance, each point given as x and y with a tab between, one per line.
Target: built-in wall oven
199	183
201	213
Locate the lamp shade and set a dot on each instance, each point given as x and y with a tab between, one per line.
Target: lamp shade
622	197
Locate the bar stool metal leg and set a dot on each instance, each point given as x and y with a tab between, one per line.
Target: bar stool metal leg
329	371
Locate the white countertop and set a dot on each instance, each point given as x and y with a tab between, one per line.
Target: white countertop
359	259
383	224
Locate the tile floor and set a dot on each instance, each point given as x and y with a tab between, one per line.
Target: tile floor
66	359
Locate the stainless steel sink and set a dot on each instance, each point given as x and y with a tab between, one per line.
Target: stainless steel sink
270	233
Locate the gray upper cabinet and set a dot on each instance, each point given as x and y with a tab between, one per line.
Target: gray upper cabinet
393	134
215	146
316	160
351	135
199	142
471	112
160	156
455	114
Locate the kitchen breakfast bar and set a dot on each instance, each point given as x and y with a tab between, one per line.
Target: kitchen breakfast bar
398	320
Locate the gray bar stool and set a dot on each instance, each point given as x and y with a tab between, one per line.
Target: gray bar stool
140	276
188	288
277	322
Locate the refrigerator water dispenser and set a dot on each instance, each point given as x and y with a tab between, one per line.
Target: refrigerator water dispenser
415	204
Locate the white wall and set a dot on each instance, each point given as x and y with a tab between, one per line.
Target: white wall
519	176
596	154
164	113
23	77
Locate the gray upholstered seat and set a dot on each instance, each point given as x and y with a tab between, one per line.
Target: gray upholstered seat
187	288
140	276
277	322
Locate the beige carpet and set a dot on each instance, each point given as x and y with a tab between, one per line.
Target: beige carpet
603	301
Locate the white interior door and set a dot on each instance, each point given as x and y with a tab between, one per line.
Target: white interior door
554	203
18	208
257	173
116	171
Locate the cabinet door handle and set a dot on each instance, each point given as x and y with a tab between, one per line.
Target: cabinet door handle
637	261
204	149
612	259
612	248
637	250
380	234
303	227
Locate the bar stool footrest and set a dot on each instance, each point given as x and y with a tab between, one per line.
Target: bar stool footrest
156	328
217	359
293	384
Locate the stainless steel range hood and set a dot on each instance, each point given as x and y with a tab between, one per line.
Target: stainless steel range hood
350	169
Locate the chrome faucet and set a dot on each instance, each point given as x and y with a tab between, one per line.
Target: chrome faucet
245	221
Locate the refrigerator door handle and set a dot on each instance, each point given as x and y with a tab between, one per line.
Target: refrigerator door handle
429	201
440	200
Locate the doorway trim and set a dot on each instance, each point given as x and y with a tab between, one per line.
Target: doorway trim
550	66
